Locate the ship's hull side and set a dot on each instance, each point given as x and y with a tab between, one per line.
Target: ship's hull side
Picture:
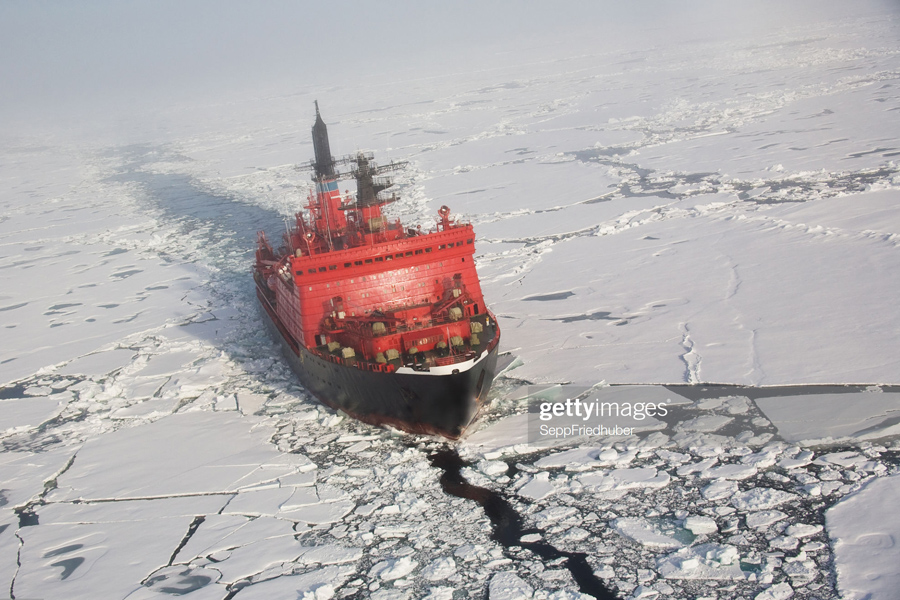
415	402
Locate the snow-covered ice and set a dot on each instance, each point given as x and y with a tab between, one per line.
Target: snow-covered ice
865	548
655	215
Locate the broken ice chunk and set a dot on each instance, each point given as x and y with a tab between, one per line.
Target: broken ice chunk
554	514
506	585
705	423
763	518
718	490
439	569
731	471
391	569
761	499
779	591
706	561
802	530
644	533
700	525
538	488
785	543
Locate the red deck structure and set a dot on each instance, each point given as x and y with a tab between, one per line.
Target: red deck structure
365	293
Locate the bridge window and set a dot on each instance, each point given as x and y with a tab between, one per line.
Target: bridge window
322	269
348	265
312	271
379	259
357	262
469	241
368	261
419	251
332	267
427	250
408	254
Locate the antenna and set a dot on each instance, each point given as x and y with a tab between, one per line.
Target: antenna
287	230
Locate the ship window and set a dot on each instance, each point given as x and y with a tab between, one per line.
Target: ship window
399	255
379	259
311	271
322	269
441	247
298	272
348	265
469	241
459	243
408	254
427	250
332	267
357	262
388	257
419	251
368	261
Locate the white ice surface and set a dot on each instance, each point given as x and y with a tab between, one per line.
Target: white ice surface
176	456
865	530
101	540
28	412
833	417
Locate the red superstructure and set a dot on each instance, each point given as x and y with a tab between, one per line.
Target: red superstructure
360	291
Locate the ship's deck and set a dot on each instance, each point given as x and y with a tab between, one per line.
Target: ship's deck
427	360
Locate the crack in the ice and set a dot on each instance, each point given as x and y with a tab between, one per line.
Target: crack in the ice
192	529
25	512
89	501
222	510
12	584
734	282
690	357
756	374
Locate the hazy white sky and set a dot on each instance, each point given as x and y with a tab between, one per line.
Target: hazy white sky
82	60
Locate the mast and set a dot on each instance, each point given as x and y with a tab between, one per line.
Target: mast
324	162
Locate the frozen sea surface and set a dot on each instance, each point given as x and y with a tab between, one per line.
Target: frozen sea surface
715	212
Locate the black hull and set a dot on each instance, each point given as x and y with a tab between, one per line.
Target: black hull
414	402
